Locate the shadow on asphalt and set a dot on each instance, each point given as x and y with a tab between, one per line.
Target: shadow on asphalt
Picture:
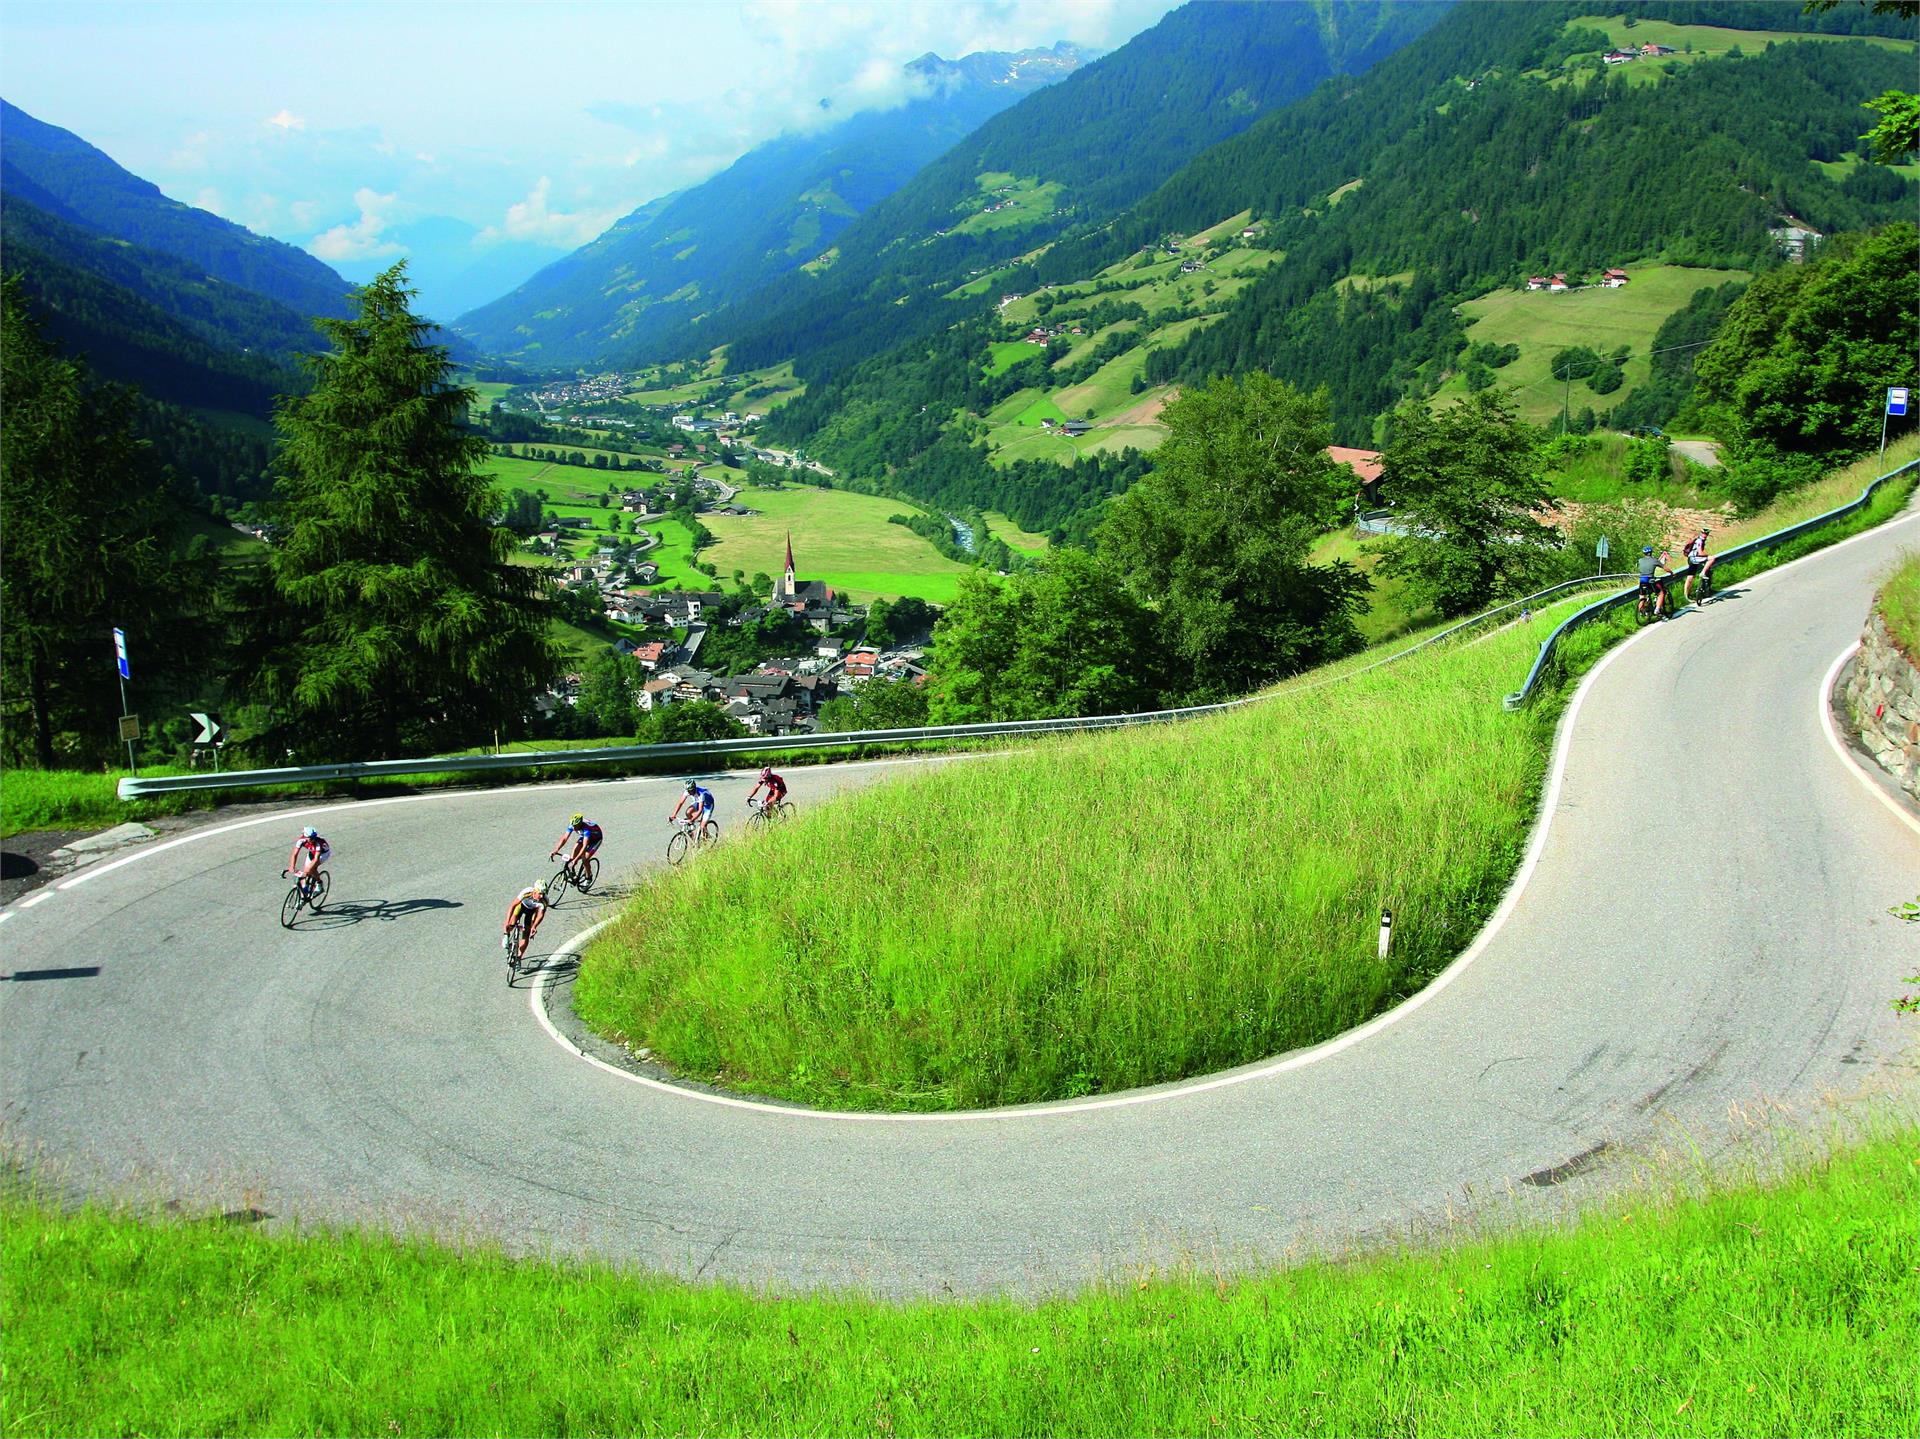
560	968
344	912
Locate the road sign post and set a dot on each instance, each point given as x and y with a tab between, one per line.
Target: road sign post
126	673
1600	553
1896	408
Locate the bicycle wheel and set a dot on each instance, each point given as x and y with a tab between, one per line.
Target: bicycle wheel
677	847
709	833
784	810
758	820
557	886
588	876
290	907
317	894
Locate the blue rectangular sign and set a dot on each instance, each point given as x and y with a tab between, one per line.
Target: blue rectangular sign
120	653
1897	400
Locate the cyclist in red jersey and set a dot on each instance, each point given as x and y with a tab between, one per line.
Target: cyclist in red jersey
775	786
310	851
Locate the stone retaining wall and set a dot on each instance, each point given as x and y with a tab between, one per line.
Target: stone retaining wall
1883	701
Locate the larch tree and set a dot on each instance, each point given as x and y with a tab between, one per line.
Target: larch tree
402	623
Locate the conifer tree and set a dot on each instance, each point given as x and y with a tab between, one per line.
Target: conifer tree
404	623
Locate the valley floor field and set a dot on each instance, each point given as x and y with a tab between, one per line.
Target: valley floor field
838	536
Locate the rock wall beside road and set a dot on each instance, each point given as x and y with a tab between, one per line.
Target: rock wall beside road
1883	701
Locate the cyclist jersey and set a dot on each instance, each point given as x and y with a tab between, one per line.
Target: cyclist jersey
314	846
703	797
587	829
1648	564
776	789
1696	550
528	901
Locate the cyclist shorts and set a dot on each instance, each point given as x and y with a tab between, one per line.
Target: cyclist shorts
1694	567
593	841
1646	582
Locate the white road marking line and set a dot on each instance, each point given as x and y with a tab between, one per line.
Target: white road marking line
1563	743
39	897
1847	758
5	915
282	816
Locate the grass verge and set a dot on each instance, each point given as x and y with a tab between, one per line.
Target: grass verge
1744	1308
1096	912
1899	604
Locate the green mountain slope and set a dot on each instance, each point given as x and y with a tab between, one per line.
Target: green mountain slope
58	171
1497	147
773	210
1070	156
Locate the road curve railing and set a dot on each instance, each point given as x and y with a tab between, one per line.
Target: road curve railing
1551	644
139	787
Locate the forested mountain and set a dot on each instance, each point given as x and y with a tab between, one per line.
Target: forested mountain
1070	156
1498	146
773	210
59	172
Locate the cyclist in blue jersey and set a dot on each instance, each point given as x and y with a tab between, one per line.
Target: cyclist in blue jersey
698	802
586	837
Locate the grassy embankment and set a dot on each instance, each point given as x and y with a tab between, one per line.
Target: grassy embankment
1703	1306
1219	903
1899	603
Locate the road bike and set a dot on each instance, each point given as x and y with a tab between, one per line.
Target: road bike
1703	586
514	942
582	873
690	834
1653	603
766	815
309	892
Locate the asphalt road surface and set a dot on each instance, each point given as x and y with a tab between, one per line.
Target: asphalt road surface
1703	933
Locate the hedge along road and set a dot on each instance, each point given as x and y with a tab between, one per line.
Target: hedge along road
1703	928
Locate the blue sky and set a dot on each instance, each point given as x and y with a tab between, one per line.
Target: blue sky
495	136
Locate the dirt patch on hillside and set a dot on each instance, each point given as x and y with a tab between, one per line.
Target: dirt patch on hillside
1680	523
1147	412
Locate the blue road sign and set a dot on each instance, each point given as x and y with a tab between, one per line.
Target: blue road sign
1896	400
120	653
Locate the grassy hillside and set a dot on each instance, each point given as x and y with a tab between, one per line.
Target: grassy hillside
1542	324
1737	1305
1134	955
838	536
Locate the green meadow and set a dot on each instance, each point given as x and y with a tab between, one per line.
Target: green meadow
1542	324
838	536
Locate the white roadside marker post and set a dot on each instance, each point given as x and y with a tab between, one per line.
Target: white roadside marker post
1386	930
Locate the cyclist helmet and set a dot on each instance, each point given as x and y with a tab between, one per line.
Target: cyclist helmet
1646	549
539	888
766	772
579	818
309	833
691	786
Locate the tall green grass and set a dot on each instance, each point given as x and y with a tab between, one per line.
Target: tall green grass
1747	1309
1899	603
1096	912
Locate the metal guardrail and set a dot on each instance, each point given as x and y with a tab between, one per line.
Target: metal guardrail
1551	644
134	787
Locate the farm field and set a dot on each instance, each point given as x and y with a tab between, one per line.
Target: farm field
838	536
1542	324
1019	201
572	490
1702	42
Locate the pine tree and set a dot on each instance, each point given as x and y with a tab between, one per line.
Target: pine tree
408	626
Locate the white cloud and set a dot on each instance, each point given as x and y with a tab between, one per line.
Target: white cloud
287	120
532	220
360	240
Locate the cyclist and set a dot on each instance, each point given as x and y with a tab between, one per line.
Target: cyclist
531	905
309	853
698	801
1699	562
775	786
1649	566
586	839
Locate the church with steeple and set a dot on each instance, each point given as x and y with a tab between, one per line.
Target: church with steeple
800	595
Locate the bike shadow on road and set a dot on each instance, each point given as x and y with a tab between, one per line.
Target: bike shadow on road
342	913
560	967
